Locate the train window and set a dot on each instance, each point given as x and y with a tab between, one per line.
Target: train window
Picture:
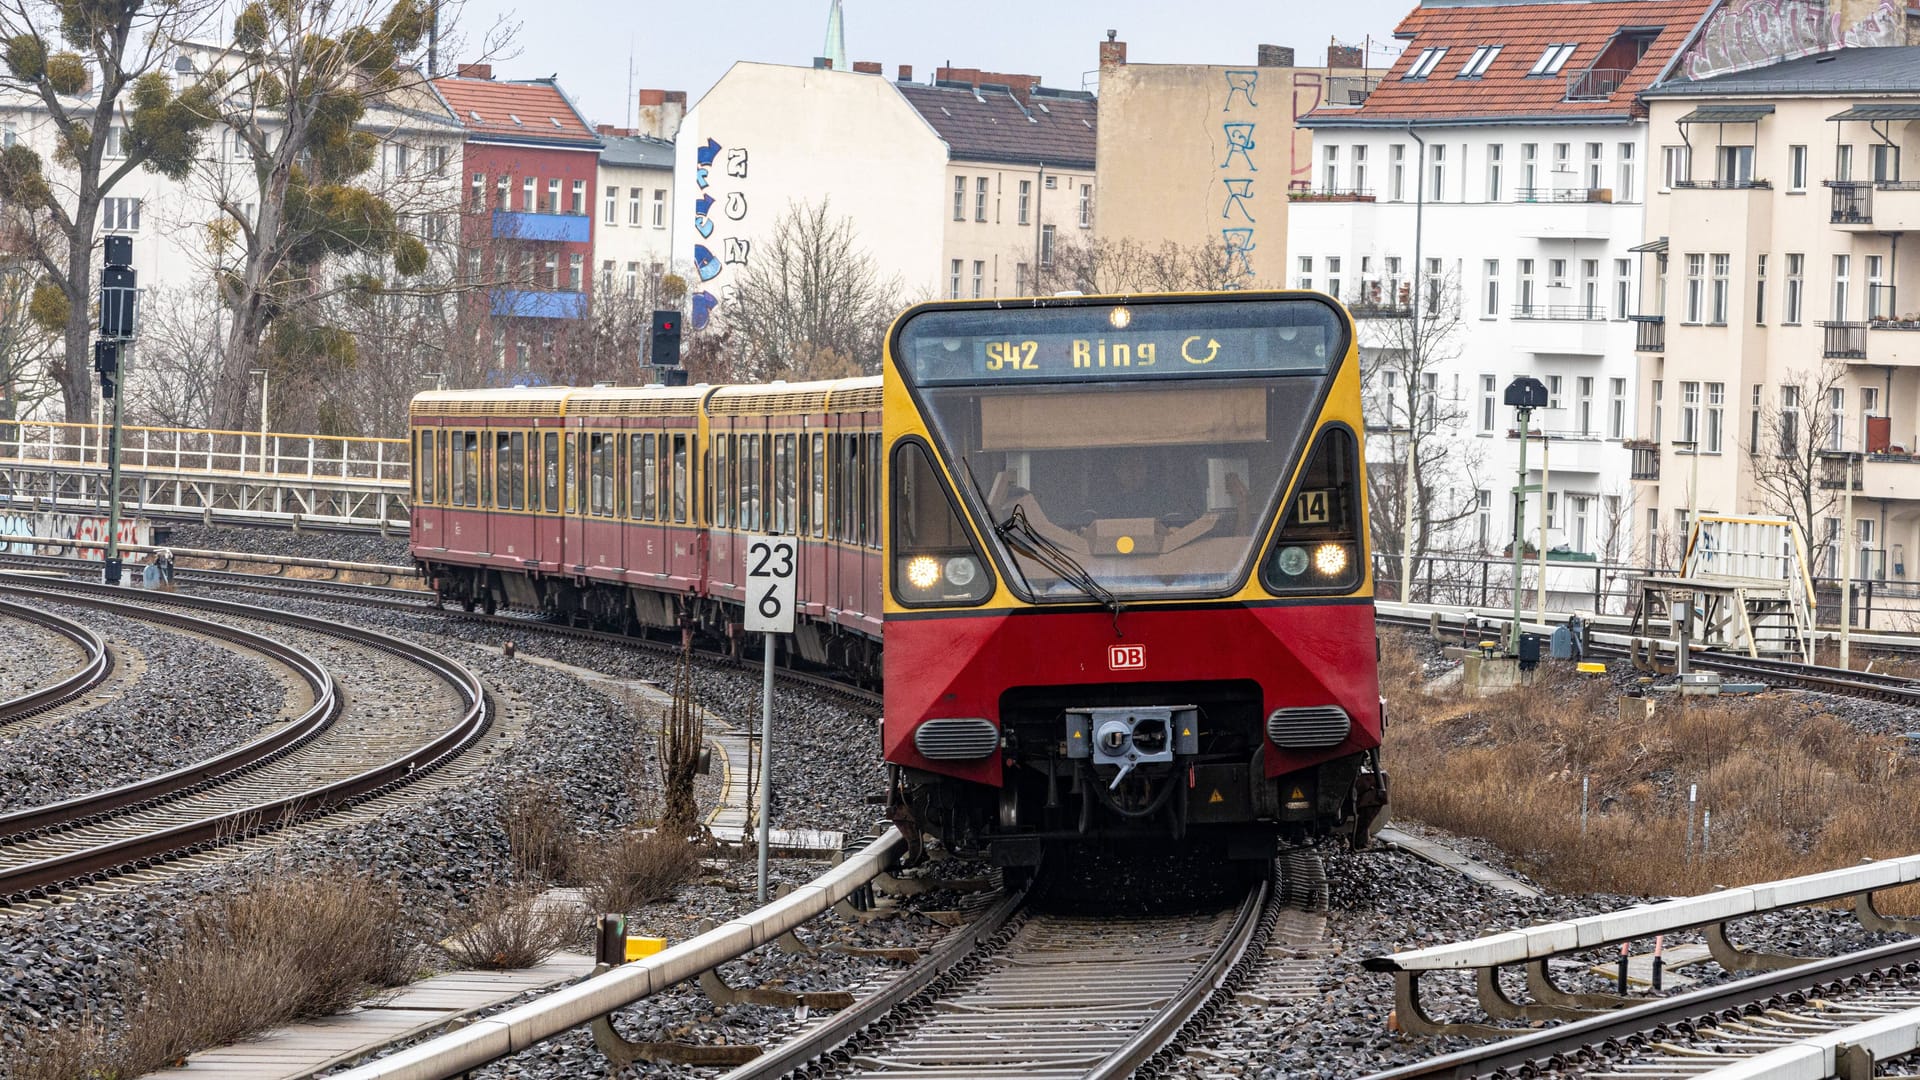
457	490
636	484
1318	548
873	489
722	481
550	459
600	490
572	468
649	473
470	451
862	466
819	483
749	486
788	486
517	470
503	470
680	479
423	468
935	560
802	488
442	464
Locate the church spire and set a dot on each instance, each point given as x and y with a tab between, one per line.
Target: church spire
836	46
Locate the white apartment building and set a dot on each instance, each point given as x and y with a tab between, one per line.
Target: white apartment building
1492	187
633	241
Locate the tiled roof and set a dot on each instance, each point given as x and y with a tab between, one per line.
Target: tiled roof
993	125
526	112
1505	90
1885	69
636	151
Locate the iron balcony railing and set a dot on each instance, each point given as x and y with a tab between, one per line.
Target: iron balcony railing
1726	184
1563	195
1852	202
1650	333
1845	340
1646	458
1564	312
1595	84
1380	309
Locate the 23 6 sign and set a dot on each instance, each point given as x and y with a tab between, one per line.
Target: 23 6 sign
771	573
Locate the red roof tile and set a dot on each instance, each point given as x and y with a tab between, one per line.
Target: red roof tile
1524	31
534	112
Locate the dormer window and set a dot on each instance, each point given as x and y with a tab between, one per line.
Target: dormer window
1553	60
1424	63
1478	63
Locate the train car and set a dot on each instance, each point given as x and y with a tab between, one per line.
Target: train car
1127	594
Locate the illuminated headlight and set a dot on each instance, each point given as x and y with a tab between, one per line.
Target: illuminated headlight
923	572
1330	559
961	570
1293	561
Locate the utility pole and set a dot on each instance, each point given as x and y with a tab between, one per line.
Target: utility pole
119	295
1524	395
1848	538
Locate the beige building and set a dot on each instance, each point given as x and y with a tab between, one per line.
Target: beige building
1206	154
1781	303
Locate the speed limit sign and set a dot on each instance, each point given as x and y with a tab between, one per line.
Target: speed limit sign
771	566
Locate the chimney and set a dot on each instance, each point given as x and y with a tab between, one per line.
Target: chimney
906	72
1278	56
474	71
1344	56
866	67
660	113
821	63
1113	54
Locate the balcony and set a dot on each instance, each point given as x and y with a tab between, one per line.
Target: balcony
1350	89
1332	195
561	228
1563	195
1569	451
1595	84
1876	205
535	304
1380	309
1646	458
1725	184
1650	333
1561	312
1844	340
1889	476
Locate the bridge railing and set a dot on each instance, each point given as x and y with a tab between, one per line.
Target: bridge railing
282	455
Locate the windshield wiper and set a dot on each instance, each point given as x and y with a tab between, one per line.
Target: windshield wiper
1020	535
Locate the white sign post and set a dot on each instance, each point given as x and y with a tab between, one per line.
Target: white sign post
771	565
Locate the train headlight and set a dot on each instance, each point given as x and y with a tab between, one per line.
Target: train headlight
1293	561
1330	560
923	572
961	570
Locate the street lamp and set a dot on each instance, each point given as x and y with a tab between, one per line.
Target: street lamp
262	372
1848	462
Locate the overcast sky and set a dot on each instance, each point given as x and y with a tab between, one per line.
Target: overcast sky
688	44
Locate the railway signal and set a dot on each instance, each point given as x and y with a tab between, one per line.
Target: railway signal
119	310
772	562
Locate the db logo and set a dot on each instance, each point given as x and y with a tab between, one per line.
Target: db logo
1124	657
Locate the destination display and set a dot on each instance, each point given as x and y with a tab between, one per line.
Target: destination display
1281	336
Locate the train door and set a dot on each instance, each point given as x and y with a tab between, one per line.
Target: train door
428	489
543	494
573	490
600	498
810	462
645	541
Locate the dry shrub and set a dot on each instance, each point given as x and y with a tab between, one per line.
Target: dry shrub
1792	789
630	870
539	835
277	950
512	926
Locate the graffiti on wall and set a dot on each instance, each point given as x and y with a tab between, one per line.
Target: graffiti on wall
1238	169
1752	33
68	527
716	256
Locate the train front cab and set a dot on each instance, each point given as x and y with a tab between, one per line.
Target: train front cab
1100	625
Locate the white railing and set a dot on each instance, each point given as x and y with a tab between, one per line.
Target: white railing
184	450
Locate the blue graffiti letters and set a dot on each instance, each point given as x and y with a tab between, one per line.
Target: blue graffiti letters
1242	84
705	263
703	305
703	205
1239	242
1238	192
709	152
1239	141
704	226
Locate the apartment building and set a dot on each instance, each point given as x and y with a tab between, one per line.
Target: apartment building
633	245
1479	213
1781	320
952	186
531	168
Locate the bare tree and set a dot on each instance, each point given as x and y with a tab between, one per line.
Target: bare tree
1109	266
810	290
1422	478
1790	476
170	373
27	349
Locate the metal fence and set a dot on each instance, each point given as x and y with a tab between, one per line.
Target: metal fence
195	450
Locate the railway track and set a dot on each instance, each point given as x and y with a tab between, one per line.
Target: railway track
96	664
324	760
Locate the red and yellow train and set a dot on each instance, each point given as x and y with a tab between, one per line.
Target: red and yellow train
1114	547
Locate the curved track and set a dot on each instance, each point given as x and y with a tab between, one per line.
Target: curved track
305	769
96	665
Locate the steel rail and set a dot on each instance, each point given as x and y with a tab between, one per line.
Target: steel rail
1542	1051
491	1038
216	829
94	668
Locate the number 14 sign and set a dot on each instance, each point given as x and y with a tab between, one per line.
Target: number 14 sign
771	566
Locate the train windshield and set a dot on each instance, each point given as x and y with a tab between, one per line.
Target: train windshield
1154	466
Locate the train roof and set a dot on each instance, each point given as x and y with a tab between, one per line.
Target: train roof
502	401
829	395
638	401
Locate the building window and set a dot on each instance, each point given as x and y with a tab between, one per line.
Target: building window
1397	172
979	278
1796	168
1716	406
1617	408
1590	289
1529	171
1593	166
479	193
612	216
1305	280
1086	206
1584	404
606	274
1736	166
1562	159
633	205
502	188
527	187
1478	63
1488	405
1796	272
959	198
553	268
1484	516
1439	173
1753	421
1490	288
1020	279
1879	302
630	281
1690	412
1843	163
1552	60
1722	269
659	208
1869	409
1556	273
1360	170
1836	417
120	215
1622	288
1046	245
1553	391
1333	276
1760	290
1330	169
1026	202
1676	166
1789	420
1696	288
1050	182
575	271
579	203
1623	171
953	282
1493	172
1523	303
980	199
1841	265
1424	63
1886	163
1656	407
553	196
1434	281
